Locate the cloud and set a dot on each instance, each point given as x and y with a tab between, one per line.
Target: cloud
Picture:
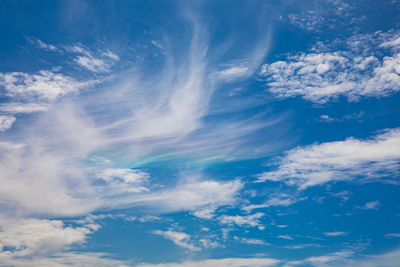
345	258
233	72
66	259
16	108
394	43
45	85
392	235
42	45
124	180
87	60
201	197
179	238
317	164
287	237
92	64
336	233
224	262
111	55
77	155
248	220
373	205
35	237
301	246
353	116
276	200
325	76
6	122
251	241
322	16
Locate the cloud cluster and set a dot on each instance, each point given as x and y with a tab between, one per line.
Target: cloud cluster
44	85
23	239
252	220
6	122
377	157
325	76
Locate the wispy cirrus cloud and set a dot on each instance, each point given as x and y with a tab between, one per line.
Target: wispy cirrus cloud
179	238
336	233
224	262
42	45
275	200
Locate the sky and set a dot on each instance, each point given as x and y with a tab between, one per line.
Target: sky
200	133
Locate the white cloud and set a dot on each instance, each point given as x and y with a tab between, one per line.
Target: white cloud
326	118
15	108
233	72
45	85
91	63
42	45
123	180
111	55
201	197
65	259
179	238
276	200
392	235
87	60
34	237
336	233
248	220
322	15
301	246
344	258
394	43
251	241
373	205
158	44
6	122
325	76
224	262
317	164
287	237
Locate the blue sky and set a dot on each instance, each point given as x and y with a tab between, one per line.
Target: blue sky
200	133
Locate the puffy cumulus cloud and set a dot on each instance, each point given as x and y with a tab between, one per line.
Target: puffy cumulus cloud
248	220
322	15
44	85
377	157
179	238
6	122
325	76
38	237
224	262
